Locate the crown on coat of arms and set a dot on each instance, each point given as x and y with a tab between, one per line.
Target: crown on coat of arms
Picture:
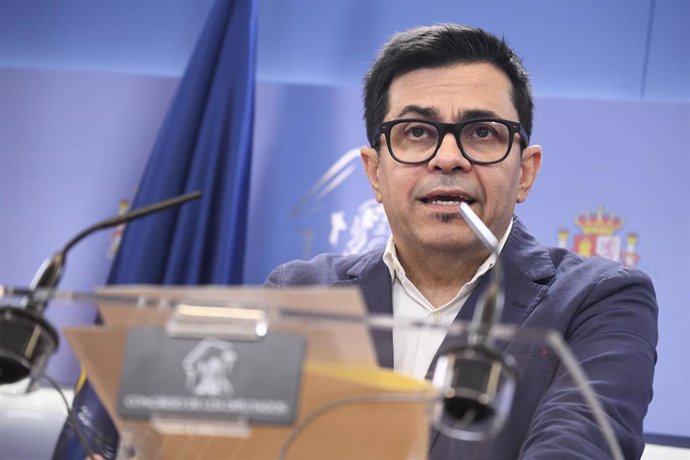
598	239
600	222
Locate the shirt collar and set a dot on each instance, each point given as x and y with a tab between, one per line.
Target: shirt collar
390	258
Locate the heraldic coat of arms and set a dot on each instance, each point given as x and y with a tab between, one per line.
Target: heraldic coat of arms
598	238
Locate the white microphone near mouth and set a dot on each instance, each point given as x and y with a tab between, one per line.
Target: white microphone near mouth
477	381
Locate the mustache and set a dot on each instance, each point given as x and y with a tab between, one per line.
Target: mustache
446	182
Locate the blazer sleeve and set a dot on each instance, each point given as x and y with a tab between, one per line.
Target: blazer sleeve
613	335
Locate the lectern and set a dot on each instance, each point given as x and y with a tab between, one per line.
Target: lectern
286	373
346	407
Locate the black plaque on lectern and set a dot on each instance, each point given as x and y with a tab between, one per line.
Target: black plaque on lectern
211	378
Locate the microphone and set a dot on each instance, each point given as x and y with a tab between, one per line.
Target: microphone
26	339
490	306
476	380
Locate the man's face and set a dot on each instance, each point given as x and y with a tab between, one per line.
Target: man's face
421	201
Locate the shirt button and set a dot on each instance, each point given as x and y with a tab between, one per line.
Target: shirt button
436	315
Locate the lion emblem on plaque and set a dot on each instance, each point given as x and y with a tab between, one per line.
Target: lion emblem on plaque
598	238
207	368
337	214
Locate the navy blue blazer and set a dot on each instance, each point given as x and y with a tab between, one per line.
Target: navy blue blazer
607	314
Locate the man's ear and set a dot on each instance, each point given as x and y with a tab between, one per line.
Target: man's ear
370	161
529	168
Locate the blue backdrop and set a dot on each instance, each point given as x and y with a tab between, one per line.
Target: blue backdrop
74	142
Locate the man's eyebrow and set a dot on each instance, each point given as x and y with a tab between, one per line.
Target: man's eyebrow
432	113
426	112
477	113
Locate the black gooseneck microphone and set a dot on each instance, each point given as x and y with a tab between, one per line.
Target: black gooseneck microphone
477	381
26	339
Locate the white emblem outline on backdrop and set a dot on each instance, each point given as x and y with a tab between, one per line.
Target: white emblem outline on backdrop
365	229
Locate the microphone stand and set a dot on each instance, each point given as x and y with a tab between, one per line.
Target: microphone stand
26	339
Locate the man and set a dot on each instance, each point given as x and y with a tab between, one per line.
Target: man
448	111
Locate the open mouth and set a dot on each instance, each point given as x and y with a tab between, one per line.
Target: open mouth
446	200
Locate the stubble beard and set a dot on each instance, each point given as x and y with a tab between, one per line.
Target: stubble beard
445	217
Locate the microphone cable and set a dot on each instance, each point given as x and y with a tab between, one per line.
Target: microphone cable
83	441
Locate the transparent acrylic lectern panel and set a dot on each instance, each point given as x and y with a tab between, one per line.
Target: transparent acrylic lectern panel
347	406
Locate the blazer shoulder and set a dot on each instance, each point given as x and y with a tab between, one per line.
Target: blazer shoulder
322	269
596	269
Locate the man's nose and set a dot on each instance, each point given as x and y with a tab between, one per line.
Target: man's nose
449	157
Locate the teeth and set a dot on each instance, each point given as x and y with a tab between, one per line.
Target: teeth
446	203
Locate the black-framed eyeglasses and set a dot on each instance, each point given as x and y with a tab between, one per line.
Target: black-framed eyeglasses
481	141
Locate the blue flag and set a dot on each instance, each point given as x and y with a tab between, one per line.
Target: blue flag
204	144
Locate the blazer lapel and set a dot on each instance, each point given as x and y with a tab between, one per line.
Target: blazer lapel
373	277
